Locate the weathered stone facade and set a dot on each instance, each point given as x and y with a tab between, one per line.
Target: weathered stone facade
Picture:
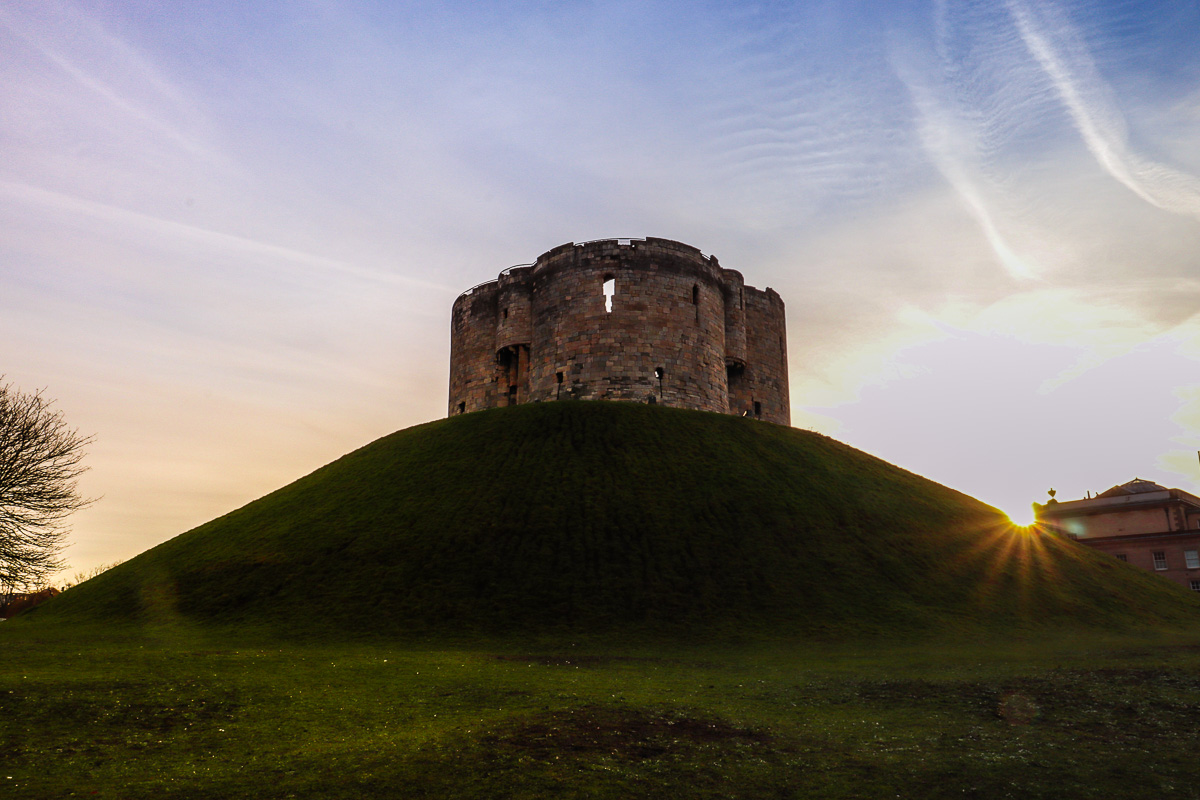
648	320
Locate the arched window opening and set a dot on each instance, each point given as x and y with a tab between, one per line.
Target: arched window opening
462	407
610	290
734	373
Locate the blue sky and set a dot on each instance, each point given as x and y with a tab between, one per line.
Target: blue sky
230	233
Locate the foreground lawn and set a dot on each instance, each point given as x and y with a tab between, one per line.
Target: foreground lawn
169	714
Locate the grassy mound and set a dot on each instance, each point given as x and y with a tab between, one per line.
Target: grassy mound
595	517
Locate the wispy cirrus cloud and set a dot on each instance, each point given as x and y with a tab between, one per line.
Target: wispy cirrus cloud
949	147
250	250
973	96
127	89
1064	57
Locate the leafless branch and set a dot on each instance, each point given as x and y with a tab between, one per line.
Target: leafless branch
40	464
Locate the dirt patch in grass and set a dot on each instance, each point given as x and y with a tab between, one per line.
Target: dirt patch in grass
621	732
580	660
553	660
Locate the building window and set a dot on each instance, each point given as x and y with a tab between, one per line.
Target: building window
462	408
1192	558
1160	560
1121	557
1195	585
610	289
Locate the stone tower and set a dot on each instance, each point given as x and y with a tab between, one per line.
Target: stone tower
647	320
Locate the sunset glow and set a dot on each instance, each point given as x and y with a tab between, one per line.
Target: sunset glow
232	236
1021	519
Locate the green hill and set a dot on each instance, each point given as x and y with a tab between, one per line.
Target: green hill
600	517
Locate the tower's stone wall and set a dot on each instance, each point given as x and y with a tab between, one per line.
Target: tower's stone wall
675	329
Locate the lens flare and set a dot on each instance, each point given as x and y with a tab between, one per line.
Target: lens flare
1022	519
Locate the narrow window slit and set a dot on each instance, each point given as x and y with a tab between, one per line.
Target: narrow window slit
610	289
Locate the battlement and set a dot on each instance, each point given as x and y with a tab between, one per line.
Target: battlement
646	320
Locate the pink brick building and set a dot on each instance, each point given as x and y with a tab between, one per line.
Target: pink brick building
1141	522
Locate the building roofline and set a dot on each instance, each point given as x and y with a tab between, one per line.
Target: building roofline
1105	505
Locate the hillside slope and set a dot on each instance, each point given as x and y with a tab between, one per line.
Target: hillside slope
614	516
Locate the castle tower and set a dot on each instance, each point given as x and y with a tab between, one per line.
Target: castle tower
646	320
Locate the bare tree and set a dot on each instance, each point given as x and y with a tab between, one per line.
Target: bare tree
40	464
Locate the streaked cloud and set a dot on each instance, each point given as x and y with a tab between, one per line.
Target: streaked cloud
1064	56
190	235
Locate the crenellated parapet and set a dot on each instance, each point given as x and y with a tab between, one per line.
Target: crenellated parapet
645	320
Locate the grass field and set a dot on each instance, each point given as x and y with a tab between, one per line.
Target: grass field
91	713
605	600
